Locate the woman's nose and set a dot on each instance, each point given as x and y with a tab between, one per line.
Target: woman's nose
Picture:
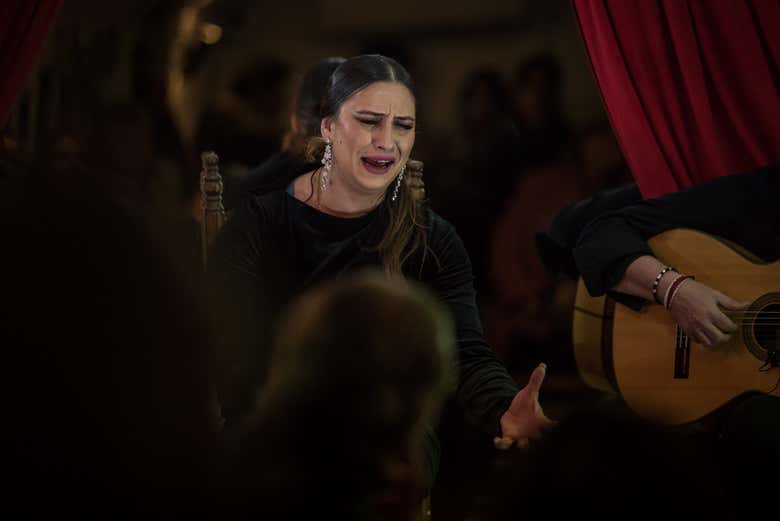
383	137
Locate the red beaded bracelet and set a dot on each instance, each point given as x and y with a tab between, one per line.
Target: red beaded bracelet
668	291
674	287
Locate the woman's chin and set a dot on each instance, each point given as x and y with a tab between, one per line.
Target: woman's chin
374	183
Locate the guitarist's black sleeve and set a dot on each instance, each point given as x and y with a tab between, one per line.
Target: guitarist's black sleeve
741	208
555	245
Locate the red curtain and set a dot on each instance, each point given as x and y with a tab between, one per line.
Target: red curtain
24	25
692	87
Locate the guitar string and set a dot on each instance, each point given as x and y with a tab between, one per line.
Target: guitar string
750	312
775	387
737	313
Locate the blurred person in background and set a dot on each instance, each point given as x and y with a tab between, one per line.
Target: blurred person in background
475	181
529	313
245	121
107	367
359	367
544	134
290	162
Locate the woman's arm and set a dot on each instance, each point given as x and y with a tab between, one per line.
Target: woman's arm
485	387
486	391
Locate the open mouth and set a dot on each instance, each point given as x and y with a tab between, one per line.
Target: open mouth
378	165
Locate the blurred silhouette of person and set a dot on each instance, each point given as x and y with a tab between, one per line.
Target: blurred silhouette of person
243	124
358	368
107	369
482	166
288	163
544	134
529	313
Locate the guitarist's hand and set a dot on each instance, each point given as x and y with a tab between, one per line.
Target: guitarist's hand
524	419
695	309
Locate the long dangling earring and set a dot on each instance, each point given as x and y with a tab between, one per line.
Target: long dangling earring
327	163
398	183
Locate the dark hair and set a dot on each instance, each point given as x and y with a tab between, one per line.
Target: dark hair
308	103
373	360
352	327
546	64
358	73
405	233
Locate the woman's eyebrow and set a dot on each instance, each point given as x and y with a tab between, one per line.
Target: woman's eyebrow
381	115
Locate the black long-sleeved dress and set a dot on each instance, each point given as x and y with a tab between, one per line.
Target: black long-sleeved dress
276	246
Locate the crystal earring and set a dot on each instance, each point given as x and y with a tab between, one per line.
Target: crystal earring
327	163
400	178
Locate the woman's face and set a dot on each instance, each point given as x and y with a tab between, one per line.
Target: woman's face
372	135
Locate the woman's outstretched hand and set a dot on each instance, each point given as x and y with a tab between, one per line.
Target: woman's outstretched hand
524	419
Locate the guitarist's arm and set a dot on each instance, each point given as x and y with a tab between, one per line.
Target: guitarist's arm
612	254
694	307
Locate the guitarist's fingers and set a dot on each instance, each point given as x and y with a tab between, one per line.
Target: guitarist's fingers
696	337
699	337
723	322
729	303
713	335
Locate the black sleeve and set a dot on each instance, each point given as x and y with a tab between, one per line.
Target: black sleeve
741	208
485	388
556	245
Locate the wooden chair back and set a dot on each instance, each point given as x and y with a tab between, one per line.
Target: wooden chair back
212	210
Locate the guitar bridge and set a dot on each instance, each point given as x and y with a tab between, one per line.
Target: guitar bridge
682	354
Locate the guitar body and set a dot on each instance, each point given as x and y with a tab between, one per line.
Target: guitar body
666	377
592	339
646	349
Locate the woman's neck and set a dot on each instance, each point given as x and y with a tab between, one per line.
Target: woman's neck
338	199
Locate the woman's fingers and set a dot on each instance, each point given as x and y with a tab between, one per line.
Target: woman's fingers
535	381
506	443
503	443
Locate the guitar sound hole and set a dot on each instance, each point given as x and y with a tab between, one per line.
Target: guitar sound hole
761	326
767	327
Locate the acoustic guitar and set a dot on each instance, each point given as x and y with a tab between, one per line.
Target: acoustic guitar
664	375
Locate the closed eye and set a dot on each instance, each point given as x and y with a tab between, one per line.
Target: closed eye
369	121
